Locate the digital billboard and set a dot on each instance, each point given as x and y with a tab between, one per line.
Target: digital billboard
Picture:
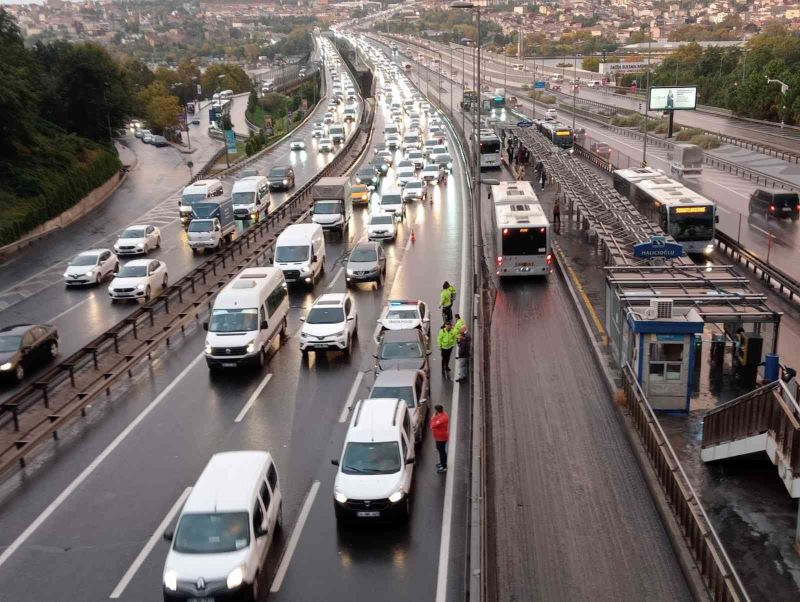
669	98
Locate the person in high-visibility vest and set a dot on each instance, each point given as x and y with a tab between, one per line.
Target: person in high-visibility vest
446	302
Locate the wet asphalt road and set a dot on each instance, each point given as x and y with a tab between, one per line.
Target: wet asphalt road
570	516
180	416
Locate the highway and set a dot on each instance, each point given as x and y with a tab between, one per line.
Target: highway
777	241
87	515
570	516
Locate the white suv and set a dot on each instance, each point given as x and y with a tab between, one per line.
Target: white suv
376	468
331	324
138	279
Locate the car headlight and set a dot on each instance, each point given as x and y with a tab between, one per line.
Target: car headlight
339	334
285	182
90	273
358	180
304	269
340	497
709	248
208	349
396	496
7	366
350	272
171	580
235	578
449	166
251	347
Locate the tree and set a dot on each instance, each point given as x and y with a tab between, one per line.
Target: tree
275	104
590	63
252	101
163	112
225	76
137	74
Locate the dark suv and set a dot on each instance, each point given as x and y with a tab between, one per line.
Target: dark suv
773	203
281	178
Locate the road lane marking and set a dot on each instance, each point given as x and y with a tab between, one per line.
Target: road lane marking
253	398
298	529
66	311
148	547
86	473
447	511
351	397
335	278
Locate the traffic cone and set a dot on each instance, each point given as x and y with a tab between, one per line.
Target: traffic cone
413	237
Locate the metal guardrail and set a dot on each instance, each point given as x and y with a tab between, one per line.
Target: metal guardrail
65	391
716	569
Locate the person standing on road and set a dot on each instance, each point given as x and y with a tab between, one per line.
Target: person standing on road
446	340
458	324
446	302
557	215
440	428
544	178
462	354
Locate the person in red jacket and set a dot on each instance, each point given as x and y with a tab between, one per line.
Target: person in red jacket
441	432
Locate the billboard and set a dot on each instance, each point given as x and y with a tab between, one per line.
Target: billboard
670	98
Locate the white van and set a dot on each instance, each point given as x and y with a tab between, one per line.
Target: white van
246	317
250	198
300	253
225	529
196	192
376	467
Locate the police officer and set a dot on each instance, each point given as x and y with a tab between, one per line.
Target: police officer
447	341
446	302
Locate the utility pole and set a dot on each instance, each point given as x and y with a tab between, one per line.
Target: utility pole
647	99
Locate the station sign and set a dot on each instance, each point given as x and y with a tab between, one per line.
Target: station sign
670	98
539	85
524	123
658	247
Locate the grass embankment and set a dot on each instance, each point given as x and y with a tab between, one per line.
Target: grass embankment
49	175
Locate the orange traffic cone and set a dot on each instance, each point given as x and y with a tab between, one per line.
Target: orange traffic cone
413	237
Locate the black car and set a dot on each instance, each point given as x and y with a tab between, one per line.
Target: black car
380	166
366	175
775	204
22	346
401	350
281	178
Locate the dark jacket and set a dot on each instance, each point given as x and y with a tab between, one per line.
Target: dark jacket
464	342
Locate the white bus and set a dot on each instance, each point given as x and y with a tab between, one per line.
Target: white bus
490	151
522	231
687	216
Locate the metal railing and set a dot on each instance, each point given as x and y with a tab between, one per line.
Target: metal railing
39	410
769	409
716	569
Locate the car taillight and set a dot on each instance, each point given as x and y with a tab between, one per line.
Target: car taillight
499	259
772	208
549	258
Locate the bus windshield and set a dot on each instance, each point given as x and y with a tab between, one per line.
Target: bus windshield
490	146
524	241
691	226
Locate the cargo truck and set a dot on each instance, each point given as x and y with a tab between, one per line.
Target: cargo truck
332	203
212	224
686	160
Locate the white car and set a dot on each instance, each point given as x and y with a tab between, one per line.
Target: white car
416	157
392	141
297	144
91	267
328	118
139	279
392	202
415	190
405	175
430	173
318	130
331	324
381	226
387	156
325	145
402	314
551	114
376	469
135	240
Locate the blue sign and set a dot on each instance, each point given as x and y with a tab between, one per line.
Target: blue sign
230	141
658	246
538	86
669	338
524	123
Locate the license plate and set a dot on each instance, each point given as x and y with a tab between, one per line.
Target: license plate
523	264
229	365
786	209
368	514
201	599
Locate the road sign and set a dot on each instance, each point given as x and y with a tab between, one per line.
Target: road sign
658	246
230	141
524	123
539	86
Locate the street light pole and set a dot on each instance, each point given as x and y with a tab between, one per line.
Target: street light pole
574	90
647	100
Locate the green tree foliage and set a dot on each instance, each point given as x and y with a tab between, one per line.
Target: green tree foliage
225	76
452	25
590	63
728	29
297	42
137	74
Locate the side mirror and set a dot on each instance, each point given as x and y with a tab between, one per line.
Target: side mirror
264	325
351	319
423	401
410	461
314	258
716	219
426	319
260	531
168	535
302	319
26	349
335	462
205	326
375	355
428	352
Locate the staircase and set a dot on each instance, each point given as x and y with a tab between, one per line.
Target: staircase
765	420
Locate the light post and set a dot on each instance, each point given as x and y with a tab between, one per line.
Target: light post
574	90
784	90
647	100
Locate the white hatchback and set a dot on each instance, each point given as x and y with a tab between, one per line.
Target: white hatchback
91	267
381	227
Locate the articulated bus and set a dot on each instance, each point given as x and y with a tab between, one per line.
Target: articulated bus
684	214
490	151
559	134
522	231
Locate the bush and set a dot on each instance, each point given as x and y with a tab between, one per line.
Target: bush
634	120
686	134
705	141
662	128
543	97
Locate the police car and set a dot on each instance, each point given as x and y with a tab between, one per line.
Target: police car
402	314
